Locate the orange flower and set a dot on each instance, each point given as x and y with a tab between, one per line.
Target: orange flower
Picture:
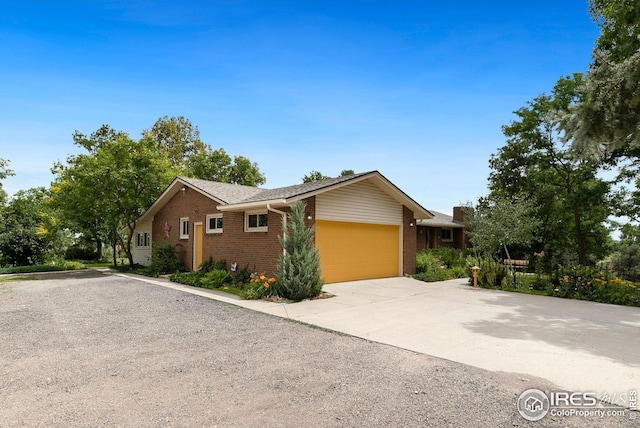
266	285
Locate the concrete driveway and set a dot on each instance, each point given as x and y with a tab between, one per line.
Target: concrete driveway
579	346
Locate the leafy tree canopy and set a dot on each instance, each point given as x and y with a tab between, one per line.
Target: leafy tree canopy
569	198
107	189
245	172
177	137
317	176
607	117
4	173
498	223
21	242
314	176
217	165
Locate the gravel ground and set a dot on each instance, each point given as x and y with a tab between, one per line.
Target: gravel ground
89	349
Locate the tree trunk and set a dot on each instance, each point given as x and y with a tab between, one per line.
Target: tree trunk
127	245
114	244
98	248
580	240
513	271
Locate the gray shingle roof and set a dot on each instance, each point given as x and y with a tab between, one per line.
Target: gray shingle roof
237	194
225	192
440	220
299	189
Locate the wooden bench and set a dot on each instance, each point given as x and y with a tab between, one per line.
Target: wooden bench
516	264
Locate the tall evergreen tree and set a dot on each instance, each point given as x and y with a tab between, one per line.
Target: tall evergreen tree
299	267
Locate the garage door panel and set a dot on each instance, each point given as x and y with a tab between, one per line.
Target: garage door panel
352	251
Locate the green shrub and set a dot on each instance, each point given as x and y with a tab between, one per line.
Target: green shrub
187	278
30	269
427	261
43	268
433	276
448	256
626	261
588	283
253	291
215	278
459	271
77	252
573	282
430	266
165	259
210	265
241	276
73	265
492	273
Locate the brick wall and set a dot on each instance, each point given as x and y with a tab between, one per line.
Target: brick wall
189	204
257	250
409	241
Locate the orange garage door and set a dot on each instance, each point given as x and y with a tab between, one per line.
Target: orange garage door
352	251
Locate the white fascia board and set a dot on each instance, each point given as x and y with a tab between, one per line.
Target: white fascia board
253	205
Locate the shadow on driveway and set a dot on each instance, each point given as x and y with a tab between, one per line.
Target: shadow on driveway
596	328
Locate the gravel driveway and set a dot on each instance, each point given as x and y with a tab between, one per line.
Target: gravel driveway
92	349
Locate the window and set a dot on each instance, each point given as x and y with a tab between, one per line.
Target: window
214	223
256	222
143	239
447	235
184	228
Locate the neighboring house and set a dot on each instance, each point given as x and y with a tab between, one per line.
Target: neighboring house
442	231
365	227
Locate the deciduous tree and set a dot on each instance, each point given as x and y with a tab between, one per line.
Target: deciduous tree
4	173
569	198
498	223
177	137
217	165
20	241
107	189
317	176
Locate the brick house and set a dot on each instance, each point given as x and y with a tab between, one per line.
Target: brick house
442	231
365	227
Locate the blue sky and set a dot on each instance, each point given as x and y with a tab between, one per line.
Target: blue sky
418	90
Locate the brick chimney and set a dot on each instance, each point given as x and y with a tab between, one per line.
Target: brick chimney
458	214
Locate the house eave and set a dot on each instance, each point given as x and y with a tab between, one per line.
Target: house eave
450	225
250	206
